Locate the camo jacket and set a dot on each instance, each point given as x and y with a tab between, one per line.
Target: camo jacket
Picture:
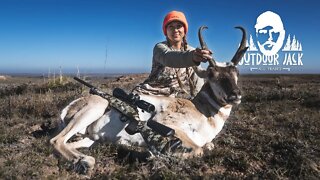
169	66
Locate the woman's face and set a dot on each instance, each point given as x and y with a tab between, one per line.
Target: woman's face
175	31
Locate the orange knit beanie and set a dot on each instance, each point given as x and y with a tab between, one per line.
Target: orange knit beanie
174	16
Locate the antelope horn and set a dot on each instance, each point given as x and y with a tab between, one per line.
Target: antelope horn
242	48
204	46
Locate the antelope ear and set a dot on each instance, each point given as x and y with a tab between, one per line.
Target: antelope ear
202	73
212	71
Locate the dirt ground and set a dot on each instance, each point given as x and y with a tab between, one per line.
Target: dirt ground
273	134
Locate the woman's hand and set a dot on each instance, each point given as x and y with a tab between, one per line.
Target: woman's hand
200	55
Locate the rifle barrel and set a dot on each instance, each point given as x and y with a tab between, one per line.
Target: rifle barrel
83	82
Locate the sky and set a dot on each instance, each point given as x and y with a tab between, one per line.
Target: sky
37	36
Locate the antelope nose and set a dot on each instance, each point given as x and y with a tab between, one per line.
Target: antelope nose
235	95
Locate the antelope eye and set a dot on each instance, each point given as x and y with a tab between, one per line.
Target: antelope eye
215	74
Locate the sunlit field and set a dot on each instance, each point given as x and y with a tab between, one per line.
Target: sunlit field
273	134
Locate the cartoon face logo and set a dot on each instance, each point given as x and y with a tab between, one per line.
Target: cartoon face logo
270	33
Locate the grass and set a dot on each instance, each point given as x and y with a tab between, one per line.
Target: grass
273	134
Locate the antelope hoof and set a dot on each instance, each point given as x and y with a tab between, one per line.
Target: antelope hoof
84	165
81	167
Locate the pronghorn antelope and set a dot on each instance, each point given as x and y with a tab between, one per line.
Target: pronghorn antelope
196	122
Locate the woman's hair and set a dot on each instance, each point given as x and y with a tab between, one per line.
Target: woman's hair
184	43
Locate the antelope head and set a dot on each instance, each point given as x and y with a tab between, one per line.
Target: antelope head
223	77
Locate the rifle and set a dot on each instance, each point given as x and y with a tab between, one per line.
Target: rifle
127	105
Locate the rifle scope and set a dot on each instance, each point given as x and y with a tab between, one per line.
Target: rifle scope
133	99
